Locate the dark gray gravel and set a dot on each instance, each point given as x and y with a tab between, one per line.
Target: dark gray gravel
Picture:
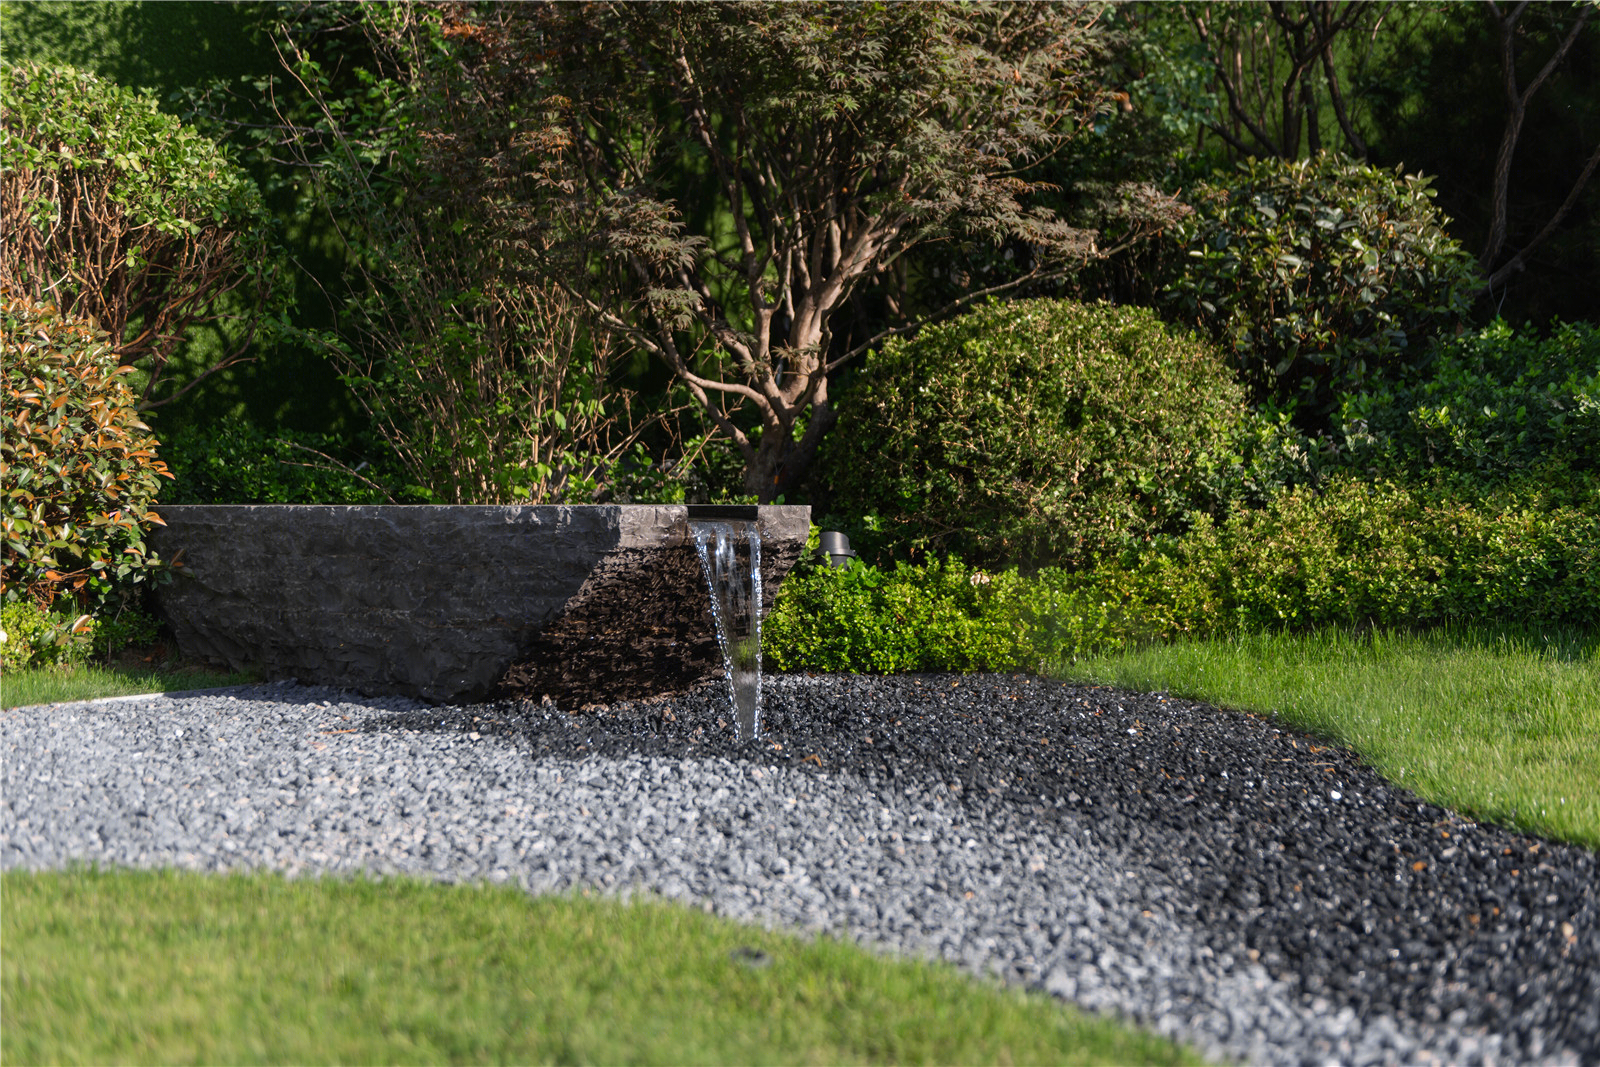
1228	883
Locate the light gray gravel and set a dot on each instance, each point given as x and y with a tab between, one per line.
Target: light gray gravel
292	779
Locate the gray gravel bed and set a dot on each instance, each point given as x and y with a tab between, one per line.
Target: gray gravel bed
853	817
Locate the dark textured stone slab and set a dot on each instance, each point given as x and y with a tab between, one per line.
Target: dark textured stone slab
453	603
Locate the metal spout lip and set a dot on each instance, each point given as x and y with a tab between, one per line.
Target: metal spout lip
748	512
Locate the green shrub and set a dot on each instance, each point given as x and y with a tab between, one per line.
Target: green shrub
237	463
1353	554
1389	555
1319	276
123	216
81	473
1042	432
1492	404
913	618
32	637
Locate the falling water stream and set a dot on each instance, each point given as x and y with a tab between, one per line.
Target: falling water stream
730	558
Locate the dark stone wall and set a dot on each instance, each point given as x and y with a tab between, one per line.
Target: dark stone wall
454	603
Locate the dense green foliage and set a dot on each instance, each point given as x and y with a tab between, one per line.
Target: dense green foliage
81	468
31	636
1492	404
123	216
1319	275
1419	85
238	464
1350	554
1044	432
488	383
35	637
1360	553
151	44
743	175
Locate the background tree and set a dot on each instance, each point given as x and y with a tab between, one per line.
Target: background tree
487	380
835	137
1278	67
1498	260
1438	88
125	217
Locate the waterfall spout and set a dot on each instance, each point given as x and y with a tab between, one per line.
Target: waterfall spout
730	559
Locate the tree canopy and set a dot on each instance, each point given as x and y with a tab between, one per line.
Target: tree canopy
124	216
834	136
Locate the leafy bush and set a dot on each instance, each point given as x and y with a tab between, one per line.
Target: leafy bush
489	383
237	463
946	616
936	617
1319	275
125	217
1491	404
1043	431
1386	554
32	637
1353	554
81	469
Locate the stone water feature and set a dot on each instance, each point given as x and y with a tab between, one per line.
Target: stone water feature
588	603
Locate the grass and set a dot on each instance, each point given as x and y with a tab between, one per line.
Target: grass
1501	724
53	685
170	967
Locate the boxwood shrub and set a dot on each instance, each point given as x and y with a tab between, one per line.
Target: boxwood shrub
1352	554
1040	432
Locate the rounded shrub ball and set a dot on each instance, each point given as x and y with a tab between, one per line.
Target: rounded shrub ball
1319	276
1042	431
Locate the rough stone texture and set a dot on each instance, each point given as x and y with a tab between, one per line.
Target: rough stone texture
440	602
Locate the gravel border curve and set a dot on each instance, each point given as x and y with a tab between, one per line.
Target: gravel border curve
1236	886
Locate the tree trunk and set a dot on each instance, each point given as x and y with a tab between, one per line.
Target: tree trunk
782	463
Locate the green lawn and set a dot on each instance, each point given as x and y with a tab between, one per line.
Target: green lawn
167	967
1500	724
50	685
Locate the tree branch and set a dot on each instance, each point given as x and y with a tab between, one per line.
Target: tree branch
1516	262
1517	105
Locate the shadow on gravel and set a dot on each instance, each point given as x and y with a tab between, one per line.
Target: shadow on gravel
1276	848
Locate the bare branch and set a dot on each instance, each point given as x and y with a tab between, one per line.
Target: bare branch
1516	111
1518	261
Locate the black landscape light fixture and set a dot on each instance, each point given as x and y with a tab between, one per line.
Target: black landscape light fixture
837	546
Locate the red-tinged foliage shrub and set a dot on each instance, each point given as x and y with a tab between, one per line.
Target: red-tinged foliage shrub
81	473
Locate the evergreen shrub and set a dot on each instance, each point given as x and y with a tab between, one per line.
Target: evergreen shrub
1319	276
1491	405
1352	554
81	472
1040	432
